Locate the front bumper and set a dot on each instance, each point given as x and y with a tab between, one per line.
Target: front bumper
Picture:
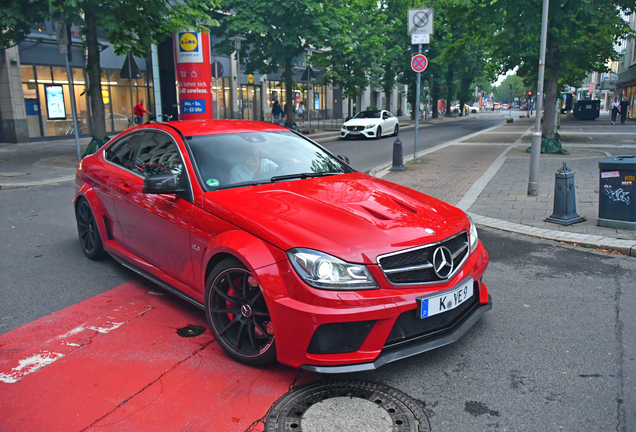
335	331
415	347
367	133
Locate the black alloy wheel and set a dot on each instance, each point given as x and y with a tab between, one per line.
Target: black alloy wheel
396	131
88	232
237	314
379	133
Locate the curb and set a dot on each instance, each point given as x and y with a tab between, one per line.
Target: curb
622	246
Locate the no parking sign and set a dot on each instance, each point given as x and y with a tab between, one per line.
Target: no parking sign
419	62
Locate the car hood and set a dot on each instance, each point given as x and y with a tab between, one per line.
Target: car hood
362	122
355	217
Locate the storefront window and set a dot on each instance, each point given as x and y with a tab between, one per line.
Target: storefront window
59	75
43	74
27	73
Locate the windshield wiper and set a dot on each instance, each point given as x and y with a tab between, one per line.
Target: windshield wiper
302	176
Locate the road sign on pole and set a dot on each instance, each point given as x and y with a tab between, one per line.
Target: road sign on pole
420	21
419	63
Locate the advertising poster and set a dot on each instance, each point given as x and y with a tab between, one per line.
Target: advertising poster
55	109
194	75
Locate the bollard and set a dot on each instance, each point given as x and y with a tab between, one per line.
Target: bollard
564	211
398	164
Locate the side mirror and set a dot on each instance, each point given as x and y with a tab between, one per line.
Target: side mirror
345	159
161	184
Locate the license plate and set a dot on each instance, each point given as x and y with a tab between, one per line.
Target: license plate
450	299
354	132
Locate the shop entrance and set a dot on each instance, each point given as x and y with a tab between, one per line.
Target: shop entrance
250	108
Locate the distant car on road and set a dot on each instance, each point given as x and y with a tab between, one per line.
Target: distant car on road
290	253
371	124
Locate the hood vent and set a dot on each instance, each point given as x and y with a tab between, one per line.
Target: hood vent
404	206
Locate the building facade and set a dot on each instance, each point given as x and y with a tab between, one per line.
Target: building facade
35	89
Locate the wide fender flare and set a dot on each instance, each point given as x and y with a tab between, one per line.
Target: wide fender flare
87	192
247	248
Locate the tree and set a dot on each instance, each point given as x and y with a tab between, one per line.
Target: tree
502	92
130	26
16	19
581	38
346	63
278	32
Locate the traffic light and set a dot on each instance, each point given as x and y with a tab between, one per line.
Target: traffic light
529	94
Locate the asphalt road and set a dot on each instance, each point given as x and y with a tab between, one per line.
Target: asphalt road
556	353
366	154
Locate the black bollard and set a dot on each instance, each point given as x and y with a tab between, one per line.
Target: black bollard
564	211
398	164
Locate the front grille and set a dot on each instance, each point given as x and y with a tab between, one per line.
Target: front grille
410	326
355	128
415	266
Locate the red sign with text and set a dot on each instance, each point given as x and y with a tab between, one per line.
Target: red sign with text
194	75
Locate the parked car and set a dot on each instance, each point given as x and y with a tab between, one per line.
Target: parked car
290	253
371	124
475	108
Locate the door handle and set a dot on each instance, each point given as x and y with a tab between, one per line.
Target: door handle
124	188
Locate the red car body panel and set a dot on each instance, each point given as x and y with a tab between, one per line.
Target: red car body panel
354	217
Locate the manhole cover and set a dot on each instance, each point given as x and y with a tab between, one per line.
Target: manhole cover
191	331
346	406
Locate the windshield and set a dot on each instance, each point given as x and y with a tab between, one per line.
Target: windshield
368	114
248	158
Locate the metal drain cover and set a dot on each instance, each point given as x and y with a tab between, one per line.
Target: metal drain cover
346	406
191	331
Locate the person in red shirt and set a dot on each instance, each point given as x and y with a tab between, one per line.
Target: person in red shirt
139	111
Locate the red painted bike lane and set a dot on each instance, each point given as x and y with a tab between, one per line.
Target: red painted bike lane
116	363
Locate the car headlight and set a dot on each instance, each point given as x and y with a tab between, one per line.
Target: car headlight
369	126
473	238
328	272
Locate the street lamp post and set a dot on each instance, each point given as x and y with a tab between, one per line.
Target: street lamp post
237	45
533	180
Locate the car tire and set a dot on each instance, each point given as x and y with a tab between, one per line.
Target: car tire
378	133
396	131
87	229
238	315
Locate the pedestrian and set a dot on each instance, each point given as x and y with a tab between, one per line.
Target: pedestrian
139	111
301	114
615	107
276	111
623	107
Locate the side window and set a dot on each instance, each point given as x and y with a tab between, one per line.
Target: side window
158	154
122	152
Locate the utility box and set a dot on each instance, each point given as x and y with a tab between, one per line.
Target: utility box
587	109
616	206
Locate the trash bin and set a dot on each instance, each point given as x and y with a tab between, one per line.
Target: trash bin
616	206
587	109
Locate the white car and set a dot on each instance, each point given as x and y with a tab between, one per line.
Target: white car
371	124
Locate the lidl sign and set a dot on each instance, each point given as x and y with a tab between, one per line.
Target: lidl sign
189	47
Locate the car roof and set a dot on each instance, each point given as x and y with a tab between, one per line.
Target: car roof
212	127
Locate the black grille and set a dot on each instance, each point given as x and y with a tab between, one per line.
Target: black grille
409	325
355	128
415	266
337	338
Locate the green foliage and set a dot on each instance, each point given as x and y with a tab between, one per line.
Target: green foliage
348	62
16	18
502	92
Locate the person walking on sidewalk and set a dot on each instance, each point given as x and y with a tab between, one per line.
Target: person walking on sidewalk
301	114
615	108
623	109
139	111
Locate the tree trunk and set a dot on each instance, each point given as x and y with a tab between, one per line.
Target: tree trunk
449	86
551	89
289	86
550	106
93	70
349	108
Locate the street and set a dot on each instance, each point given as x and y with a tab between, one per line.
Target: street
556	353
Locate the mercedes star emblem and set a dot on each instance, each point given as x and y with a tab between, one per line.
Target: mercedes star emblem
442	262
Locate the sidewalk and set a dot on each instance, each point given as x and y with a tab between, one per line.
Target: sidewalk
485	174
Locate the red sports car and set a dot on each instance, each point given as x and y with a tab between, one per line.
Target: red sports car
291	253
